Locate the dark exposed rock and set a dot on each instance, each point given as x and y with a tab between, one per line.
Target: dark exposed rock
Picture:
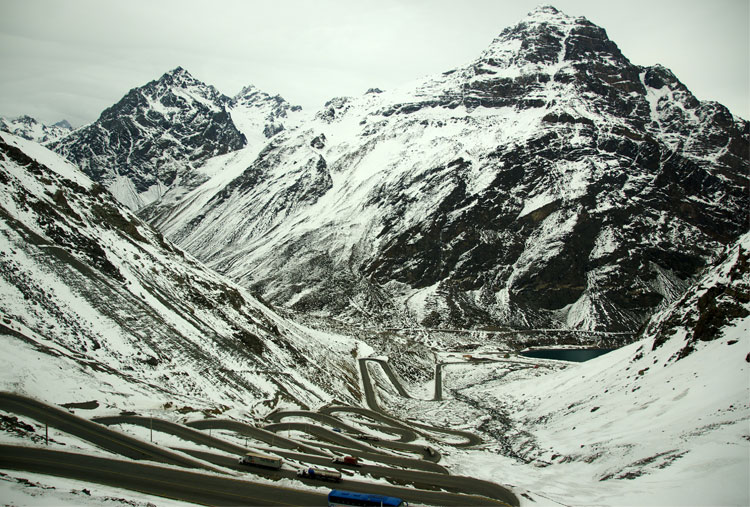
155	135
318	142
707	309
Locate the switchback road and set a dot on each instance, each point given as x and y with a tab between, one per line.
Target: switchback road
371	399
422	476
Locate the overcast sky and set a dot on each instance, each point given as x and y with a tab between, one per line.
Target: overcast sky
71	59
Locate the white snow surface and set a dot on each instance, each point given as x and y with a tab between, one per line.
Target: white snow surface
48	158
646	424
605	435
131	322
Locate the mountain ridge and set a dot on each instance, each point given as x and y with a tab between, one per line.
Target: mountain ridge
33	130
540	168
91	289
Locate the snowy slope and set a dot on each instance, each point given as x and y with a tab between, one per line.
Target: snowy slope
550	182
31	129
259	117
116	314
663	421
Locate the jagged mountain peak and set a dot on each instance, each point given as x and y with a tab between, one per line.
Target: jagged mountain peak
26	119
30	128
63	124
155	138
550	182
172	94
251	95
178	84
248	90
257	112
546	12
544	61
548	37
177	73
180	77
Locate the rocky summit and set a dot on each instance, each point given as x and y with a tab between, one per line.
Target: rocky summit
550	182
33	130
154	138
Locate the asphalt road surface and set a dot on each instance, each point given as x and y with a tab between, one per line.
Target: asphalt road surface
422	480
426	481
103	437
178	484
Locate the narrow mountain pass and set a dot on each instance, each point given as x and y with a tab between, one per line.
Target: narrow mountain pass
404	435
425	481
326	450
353	436
205	488
412	486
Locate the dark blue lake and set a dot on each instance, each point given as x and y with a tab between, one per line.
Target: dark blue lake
576	355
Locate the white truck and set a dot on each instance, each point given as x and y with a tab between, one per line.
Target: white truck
322	475
260	460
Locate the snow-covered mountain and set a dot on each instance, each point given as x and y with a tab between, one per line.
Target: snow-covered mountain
662	421
33	130
261	116
258	116
155	138
549	182
113	311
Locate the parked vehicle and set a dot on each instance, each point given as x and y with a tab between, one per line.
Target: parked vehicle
317	473
261	460
346	460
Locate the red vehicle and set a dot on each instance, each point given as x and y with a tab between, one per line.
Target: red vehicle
347	460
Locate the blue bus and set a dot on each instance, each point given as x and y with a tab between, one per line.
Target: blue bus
340	498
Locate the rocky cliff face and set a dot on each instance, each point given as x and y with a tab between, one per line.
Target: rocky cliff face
155	138
550	182
33	130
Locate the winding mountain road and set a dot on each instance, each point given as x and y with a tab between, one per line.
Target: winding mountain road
116	442
470	438
178	484
426	481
